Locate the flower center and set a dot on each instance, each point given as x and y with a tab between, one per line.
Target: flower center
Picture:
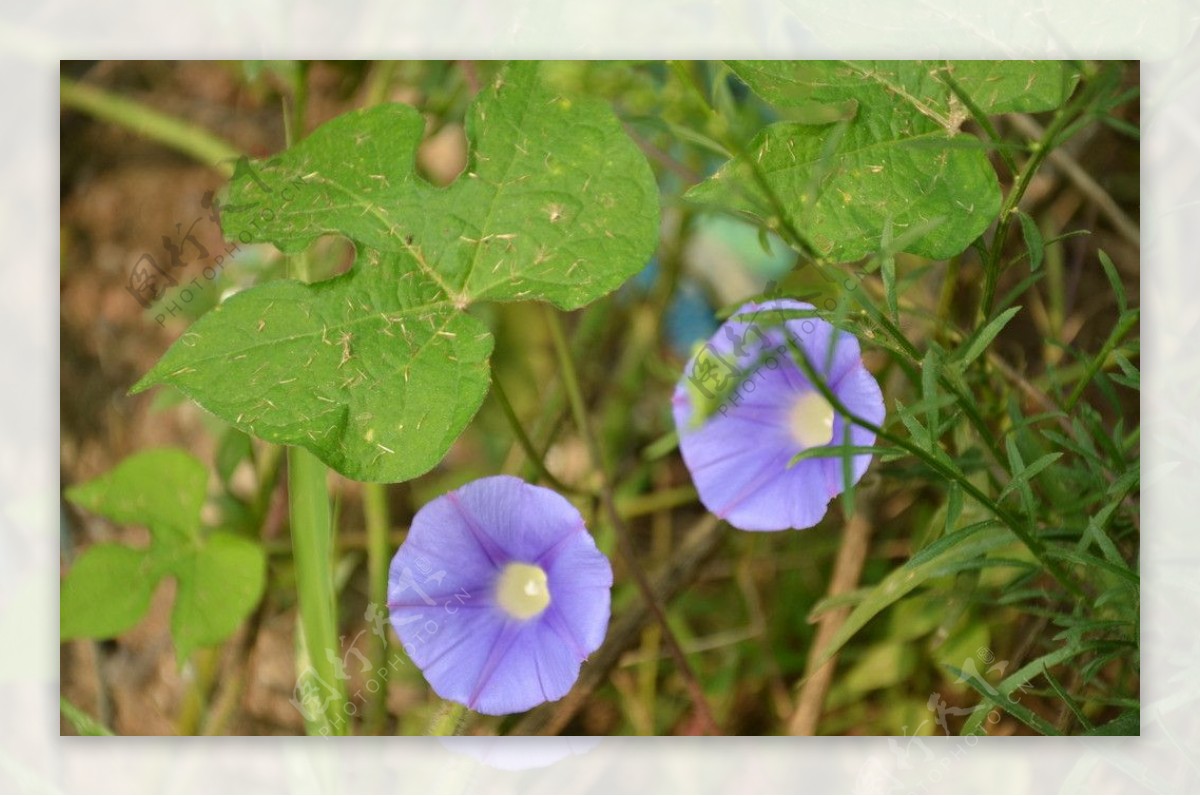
522	590
811	420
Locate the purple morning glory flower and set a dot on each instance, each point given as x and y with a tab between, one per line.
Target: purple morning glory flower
744	409
498	594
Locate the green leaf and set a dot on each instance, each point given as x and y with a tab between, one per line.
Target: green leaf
81	721
220	576
367	370
1003	701
900	157
377	371
969	543
1023	474
882	665
1019	678
915	617
984	337
219	586
1114	279
233	447
106	592
995	86
162	489
954	505
1033	240
887	270
931	368
1128	723
1068	700
1093	563
1015	86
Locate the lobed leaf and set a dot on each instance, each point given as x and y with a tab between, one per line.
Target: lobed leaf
378	371
369	370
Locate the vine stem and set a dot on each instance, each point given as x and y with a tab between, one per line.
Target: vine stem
624	542
312	543
1041	150
312	552
376	510
450	720
523	440
149	123
1087	185
1127	321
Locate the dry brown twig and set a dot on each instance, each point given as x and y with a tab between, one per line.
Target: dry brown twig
847	570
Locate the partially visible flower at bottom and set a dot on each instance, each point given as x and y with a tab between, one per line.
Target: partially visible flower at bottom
498	594
744	408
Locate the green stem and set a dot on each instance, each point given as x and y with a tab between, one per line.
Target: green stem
946	296
1041	150
379	82
312	543
148	123
376	511
579	411
523	439
781	222
312	552
299	111
266	465
195	700
661	500
966	403
1126	322
450	720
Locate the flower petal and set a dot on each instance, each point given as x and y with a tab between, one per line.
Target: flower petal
733	463
522	521
739	456
537	667
580	581
451	648
469	648
860	393
440	556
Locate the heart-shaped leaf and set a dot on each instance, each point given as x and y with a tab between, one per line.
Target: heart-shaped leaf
106	592
218	587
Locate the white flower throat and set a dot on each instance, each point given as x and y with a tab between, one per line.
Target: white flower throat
522	590
810	420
